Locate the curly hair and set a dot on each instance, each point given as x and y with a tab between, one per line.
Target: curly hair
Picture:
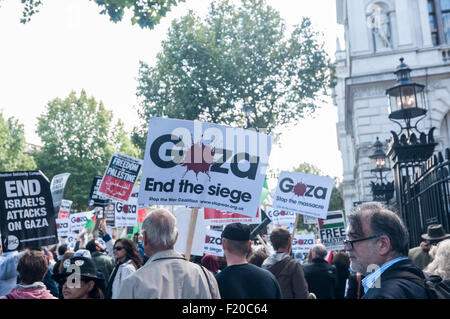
441	264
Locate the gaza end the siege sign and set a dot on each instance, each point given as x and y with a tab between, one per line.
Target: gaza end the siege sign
197	164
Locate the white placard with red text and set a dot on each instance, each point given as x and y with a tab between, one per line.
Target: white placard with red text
304	194
301	244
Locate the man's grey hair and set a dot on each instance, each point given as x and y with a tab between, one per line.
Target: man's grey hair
319	250
382	221
160	227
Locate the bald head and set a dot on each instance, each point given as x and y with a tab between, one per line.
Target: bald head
318	251
160	229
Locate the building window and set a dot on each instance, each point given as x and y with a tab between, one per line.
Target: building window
439	13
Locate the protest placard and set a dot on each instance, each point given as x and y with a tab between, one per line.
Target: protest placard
110	213
281	217
183	216
63	226
304	194
204	165
126	215
301	245
64	209
78	220
120	176
94	198
27	217
309	220
332	230
215	217
71	240
213	243
57	187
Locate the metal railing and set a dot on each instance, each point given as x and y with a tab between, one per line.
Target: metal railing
425	196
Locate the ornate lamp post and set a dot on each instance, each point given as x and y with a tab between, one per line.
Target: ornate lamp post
410	148
382	190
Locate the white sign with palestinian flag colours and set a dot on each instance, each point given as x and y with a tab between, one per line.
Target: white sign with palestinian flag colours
304	194
215	217
78	220
301	244
199	164
119	178
332	230
213	243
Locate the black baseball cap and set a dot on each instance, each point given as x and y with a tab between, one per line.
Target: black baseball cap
86	265
236	231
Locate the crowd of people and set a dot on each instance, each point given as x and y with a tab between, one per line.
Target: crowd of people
375	263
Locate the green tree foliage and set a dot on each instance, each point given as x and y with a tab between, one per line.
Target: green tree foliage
208	69
336	202
12	147
146	13
79	138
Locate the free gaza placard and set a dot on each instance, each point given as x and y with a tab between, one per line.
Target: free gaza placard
304	194
197	164
27	217
120	177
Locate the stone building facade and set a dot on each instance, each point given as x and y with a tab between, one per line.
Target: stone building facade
377	34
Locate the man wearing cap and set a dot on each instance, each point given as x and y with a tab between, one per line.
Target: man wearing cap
422	255
241	280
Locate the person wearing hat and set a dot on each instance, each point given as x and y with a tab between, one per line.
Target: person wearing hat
87	285
241	280
422	255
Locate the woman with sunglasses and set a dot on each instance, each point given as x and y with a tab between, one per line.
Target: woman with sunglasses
127	261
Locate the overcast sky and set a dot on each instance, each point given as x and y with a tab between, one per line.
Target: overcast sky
69	46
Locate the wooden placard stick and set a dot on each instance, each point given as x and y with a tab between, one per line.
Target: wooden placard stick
190	239
293	231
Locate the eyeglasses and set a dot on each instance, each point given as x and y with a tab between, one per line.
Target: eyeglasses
349	242
118	248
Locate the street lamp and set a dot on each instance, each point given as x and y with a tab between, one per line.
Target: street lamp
384	190
407	102
406	99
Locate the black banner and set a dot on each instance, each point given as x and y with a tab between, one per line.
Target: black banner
94	199
27	217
